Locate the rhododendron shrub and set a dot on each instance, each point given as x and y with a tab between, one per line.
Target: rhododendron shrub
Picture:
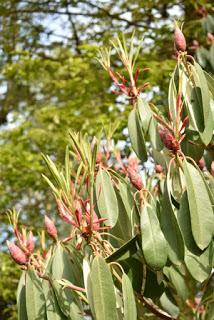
140	241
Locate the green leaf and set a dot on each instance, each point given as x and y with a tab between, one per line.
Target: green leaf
123	227
201	211
177	279
127	198
104	299
200	81
21	298
197	108
185	226
145	114
172	96
169	304
192	145
130	311
134	269
198	262
106	197
63	268
136	135
154	245
35	300
210	82
170	228
88	283
200	266
125	251
153	287
52	307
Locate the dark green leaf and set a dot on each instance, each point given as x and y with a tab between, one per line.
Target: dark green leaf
35	299
130	311
104	299
170	228
201	211
106	198
154	245
52	307
178	280
21	298
125	251
136	135
169	304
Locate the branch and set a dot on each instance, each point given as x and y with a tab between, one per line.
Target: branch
154	308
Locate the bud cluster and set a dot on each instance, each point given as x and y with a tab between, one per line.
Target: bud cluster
169	140
24	246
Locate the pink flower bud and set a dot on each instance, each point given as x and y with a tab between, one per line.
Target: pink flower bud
168	140
212	168
63	212
99	157
16	253
30	242
50	228
201	163
135	178
179	40
158	168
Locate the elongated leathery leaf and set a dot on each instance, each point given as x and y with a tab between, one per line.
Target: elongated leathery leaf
200	81
178	280
104	299
62	268
125	251
201	211
21	298
169	304
145	114
172	96
185	226
130	311
170	228
106	197
153	242
149	124
198	262
127	198
35	299
52	307
136	135
123	227
200	266
88	284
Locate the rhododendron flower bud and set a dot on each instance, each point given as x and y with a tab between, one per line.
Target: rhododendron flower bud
50	228
179	40
201	163
212	168
99	157
30	245
158	168
168	140
63	212
135	178
16	253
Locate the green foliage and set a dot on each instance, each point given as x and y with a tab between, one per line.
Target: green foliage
8	285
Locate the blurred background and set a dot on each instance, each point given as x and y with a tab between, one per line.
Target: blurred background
50	82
